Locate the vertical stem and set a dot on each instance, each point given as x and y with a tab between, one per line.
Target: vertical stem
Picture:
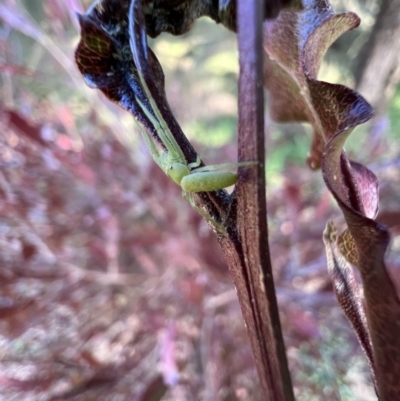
265	335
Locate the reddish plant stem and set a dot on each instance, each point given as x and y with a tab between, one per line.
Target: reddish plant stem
249	260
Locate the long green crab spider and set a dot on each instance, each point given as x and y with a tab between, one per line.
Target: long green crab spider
189	176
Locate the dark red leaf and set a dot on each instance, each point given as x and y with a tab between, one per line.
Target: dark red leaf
295	44
105	60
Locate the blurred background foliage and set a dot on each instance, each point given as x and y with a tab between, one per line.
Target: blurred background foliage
109	281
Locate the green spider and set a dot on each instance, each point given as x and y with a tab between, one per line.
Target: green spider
189	176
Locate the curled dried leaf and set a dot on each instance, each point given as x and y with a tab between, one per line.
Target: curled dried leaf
347	292
295	44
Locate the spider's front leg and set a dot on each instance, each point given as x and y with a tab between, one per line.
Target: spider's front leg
194	165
